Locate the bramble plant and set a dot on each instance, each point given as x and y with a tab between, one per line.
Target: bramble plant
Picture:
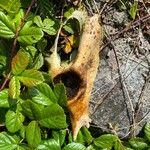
33	108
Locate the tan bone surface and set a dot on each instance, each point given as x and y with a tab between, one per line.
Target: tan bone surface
81	73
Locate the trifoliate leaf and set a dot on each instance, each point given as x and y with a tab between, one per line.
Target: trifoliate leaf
46	25
53	116
13	121
14	88
7	29
31	77
33	134
19	62
50	144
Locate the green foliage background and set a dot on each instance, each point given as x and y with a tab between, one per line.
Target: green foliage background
33	109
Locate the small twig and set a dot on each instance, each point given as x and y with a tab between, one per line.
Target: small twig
19	28
14	45
96	7
5	81
89	7
127	28
103	9
140	101
115	133
124	88
136	124
107	94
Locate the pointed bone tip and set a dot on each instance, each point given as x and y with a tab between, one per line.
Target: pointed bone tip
76	125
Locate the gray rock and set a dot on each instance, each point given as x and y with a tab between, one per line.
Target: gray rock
113	101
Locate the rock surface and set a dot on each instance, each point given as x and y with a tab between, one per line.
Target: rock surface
121	93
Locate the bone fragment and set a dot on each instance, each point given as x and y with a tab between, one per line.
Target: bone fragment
79	76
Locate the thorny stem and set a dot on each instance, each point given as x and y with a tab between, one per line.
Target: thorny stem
14	45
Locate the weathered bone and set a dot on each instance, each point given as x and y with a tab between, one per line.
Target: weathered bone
79	76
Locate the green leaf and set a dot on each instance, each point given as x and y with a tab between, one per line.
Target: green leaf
31	77
13	121
60	93
30	34
42	94
32	51
7	142
90	148
69	12
79	16
47	78
4	98
53	116
14	88
6	27
59	136
46	25
31	110
41	45
119	146
33	134
18	18
105	141
80	138
3	56
50	144
74	146
72	26
22	132
23	147
38	62
147	130
38	21
133	9
11	6
138	143
86	135
20	62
